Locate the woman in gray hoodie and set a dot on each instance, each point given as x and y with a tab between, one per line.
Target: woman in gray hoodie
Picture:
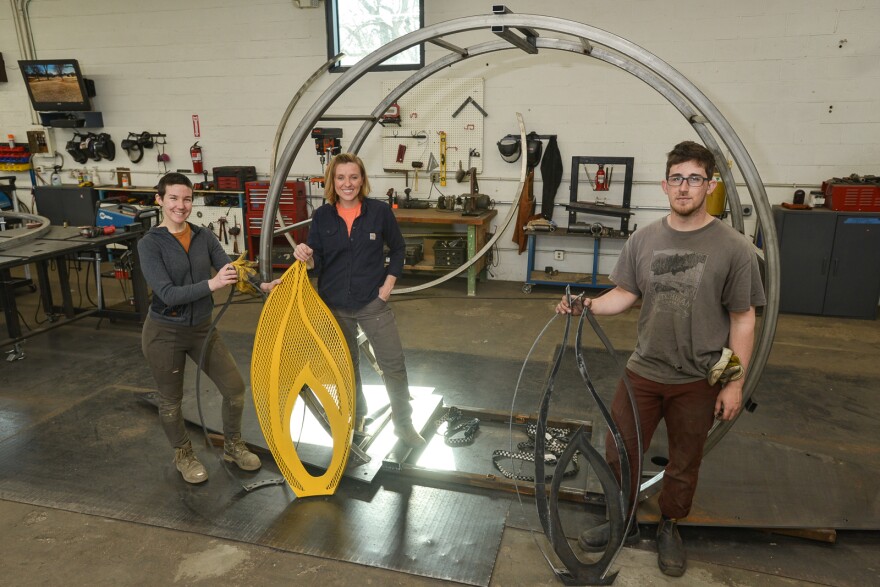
177	259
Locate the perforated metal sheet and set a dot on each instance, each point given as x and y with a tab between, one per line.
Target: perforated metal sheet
299	345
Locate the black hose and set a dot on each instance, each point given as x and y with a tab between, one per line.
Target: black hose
201	365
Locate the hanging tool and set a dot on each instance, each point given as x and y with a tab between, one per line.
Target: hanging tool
460	174
472	154
442	158
222	232
234	231
470	100
416	166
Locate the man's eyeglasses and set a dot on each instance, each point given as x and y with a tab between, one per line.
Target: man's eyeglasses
694	181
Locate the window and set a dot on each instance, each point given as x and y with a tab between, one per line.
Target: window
359	27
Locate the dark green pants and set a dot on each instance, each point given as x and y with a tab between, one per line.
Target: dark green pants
166	347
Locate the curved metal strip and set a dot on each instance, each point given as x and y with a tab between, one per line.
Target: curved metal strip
18	236
577	572
623	453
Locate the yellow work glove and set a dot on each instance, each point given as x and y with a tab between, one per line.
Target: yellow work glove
727	369
245	269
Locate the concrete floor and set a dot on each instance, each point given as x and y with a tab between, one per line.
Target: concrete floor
44	546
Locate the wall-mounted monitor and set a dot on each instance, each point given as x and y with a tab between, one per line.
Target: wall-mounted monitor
57	85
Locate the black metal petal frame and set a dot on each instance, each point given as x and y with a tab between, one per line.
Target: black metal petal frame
617	493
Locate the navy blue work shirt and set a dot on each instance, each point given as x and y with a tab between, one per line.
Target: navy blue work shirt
351	269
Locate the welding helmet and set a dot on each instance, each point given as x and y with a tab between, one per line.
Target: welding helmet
534	149
104	147
90	142
75	147
509	148
134	146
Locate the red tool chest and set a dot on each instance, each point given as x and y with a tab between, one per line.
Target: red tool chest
293	208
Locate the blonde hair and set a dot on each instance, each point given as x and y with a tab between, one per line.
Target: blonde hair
329	184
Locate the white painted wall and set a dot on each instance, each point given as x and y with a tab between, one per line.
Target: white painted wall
799	80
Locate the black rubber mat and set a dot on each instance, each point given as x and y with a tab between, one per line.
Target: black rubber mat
106	456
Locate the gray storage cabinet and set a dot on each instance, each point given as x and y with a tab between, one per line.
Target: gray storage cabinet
830	262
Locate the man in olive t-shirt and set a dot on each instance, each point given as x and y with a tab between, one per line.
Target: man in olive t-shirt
699	283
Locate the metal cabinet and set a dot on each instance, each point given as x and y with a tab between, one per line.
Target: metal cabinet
829	261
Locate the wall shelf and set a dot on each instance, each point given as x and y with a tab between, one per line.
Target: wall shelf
72	119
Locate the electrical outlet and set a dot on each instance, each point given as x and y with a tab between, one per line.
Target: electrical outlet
747	210
558	255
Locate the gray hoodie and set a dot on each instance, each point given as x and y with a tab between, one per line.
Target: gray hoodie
179	280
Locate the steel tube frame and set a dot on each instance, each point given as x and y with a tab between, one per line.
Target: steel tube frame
697	109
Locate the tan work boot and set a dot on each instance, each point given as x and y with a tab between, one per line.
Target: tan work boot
189	466
236	451
410	436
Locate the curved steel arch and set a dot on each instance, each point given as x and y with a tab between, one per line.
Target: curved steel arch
666	80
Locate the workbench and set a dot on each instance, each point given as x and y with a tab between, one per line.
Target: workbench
58	243
477	231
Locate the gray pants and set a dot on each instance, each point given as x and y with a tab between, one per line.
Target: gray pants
377	321
166	347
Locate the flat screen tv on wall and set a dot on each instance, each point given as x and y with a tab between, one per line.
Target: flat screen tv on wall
57	85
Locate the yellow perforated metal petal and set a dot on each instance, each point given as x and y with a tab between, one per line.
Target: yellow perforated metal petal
299	345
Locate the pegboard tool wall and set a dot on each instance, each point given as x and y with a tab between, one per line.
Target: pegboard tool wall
204	215
426	110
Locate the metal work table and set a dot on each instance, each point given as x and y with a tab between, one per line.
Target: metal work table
59	242
477	228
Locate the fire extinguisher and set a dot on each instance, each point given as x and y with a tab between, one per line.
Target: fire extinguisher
195	153
600	178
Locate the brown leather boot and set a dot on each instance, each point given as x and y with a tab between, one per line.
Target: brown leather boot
595	539
671	557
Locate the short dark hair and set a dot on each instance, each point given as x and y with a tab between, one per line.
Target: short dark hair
172	178
330	187
690	151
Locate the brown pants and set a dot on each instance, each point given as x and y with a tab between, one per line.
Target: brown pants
688	409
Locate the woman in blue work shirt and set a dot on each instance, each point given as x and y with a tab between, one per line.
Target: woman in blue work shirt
345	251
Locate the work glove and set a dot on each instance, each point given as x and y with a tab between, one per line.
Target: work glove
246	270
727	369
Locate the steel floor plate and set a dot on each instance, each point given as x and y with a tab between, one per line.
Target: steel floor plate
106	456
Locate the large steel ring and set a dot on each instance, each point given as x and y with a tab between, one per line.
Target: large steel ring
594	43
